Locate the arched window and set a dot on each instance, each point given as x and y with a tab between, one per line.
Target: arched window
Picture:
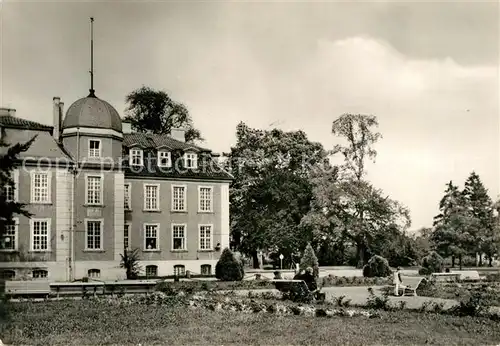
151	271
206	269
179	270
94	273
8	274
39	273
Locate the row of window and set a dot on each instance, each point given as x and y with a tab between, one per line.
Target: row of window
179	197
151	239
151	271
136	156
40	193
41	235
10	274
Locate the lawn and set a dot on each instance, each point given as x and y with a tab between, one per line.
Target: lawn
490	291
92	323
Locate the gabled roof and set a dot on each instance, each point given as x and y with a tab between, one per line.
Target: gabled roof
156	141
44	145
19	123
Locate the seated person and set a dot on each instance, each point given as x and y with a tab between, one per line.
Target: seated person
277	275
310	280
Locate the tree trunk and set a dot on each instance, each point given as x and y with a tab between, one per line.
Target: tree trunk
361	255
453	261
480	259
255	257
490	261
460	261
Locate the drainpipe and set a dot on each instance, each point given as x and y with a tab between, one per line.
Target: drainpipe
73	206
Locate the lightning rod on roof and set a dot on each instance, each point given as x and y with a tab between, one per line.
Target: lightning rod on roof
92	91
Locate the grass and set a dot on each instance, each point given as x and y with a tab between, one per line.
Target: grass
93	323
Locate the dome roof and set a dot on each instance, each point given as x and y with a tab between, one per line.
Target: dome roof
91	111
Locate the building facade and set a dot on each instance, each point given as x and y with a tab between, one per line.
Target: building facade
95	188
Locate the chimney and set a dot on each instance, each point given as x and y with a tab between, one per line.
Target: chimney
7	111
178	134
126	127
56	114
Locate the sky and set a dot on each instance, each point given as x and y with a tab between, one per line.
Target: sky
427	70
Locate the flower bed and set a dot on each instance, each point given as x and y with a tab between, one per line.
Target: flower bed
232	303
343	281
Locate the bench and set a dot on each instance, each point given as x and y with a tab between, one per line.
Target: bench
410	283
445	277
296	290
27	289
472	275
76	288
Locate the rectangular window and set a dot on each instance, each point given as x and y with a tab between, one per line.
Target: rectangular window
205	237
94	148
11	190
94	190
178	198
136	157
151	197
190	160
93	235
126	196
126	236
151	237
205	198
9	240
39	274
9	193
164	159
178	237
40	183
40	234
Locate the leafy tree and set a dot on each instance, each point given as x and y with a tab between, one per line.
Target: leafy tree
309	259
271	190
336	215
228	268
480	206
346	206
357	129
455	227
130	262
9	160
154	111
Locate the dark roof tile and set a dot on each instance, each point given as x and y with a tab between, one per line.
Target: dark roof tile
150	141
13	122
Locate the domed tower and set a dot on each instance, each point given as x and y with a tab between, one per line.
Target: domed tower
92	130
92	135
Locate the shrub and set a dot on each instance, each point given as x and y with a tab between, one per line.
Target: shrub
228	268
377	266
309	259
130	262
424	271
477	304
378	302
433	263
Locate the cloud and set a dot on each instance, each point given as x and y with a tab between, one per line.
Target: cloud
439	119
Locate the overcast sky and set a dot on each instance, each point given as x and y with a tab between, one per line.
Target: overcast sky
428	71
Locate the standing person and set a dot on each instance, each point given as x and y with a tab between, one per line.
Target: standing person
398	282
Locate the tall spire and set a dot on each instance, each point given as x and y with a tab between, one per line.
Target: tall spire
92	91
